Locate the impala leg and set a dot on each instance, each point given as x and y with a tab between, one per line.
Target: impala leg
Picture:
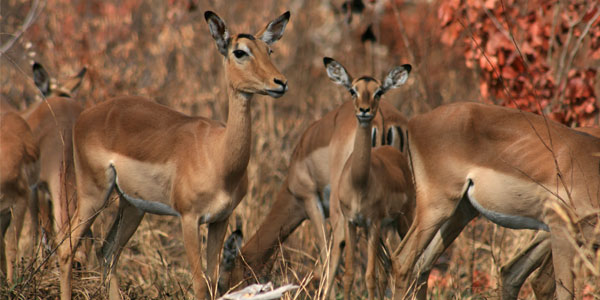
193	248
543	283
14	232
373	247
349	259
214	245
562	257
427	222
125	224
5	218
447	233
337	226
315	214
91	199
515	272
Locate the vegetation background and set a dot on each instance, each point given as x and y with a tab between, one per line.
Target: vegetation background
460	50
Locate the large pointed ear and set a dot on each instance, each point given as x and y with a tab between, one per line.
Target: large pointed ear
218	30
274	30
396	78
337	73
41	78
73	84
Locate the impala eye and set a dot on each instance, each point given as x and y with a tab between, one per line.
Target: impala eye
239	53
270	51
352	92
377	94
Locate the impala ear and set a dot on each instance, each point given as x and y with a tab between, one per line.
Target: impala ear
396	78
73	84
337	73
218	30
274	30
41	79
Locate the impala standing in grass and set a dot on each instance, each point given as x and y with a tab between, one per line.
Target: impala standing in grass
163	162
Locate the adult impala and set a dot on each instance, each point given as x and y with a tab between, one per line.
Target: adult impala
316	162
537	254
513	167
163	162
375	185
18	151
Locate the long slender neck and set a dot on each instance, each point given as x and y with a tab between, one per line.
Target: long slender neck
235	146
361	156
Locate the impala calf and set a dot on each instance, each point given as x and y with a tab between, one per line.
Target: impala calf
164	162
315	164
18	151
375	186
470	158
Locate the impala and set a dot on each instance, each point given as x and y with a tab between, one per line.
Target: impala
536	254
515	168
18	151
52	122
316	162
375	185
163	162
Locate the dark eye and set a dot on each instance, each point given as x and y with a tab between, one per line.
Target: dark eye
377	94
270	51
352	92
239	53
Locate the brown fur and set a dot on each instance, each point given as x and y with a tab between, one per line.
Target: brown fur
497	150
196	165
18	151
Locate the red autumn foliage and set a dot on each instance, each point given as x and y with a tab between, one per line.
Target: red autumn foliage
538	55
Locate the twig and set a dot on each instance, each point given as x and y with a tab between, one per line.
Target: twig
562	86
29	19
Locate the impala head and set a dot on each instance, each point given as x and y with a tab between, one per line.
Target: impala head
248	57
366	91
67	89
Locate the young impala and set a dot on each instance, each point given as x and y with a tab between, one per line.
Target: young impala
163	162
316	162
515	168
375	186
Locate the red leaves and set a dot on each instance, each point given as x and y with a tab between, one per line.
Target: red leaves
531	84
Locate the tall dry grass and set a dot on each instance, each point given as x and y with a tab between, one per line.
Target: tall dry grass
162	49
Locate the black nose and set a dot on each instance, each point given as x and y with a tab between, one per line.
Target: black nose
283	84
364	110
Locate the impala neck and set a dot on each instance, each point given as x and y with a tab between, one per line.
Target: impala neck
361	156
235	146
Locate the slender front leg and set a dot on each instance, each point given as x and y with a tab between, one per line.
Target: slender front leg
193	247
562	256
349	257
373	246
337	228
13	234
214	245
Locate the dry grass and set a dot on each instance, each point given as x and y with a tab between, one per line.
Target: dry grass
163	50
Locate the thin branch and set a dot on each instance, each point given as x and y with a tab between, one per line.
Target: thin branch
32	15
561	94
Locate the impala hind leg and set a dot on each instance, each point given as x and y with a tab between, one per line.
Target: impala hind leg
125	224
315	214
428	220
91	198
14	232
562	256
515	272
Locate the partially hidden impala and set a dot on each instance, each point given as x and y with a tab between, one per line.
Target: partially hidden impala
163	162
517	169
